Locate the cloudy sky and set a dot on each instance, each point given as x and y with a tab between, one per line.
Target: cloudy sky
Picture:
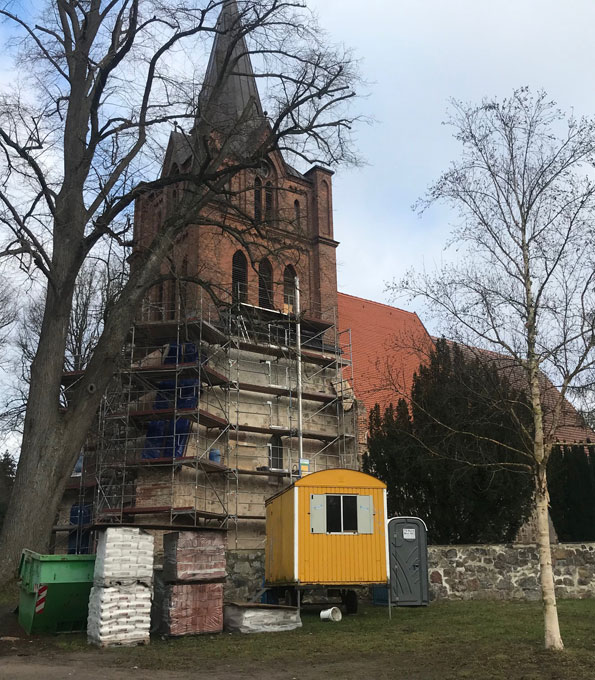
416	55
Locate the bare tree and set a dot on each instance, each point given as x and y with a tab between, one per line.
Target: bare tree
8	310
98	284
524	286
79	147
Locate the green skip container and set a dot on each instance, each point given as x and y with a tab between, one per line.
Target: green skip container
54	592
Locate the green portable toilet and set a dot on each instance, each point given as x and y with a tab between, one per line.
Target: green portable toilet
54	592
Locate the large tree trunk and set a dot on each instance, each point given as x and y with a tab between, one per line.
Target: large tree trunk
553	639
34	502
40	478
52	437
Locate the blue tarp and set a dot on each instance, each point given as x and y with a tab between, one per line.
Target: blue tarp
174	445
154	439
187	394
78	538
166	439
181	353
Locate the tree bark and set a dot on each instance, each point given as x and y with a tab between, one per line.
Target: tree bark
53	437
40	478
553	639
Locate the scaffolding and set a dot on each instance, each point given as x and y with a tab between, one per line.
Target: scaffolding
205	420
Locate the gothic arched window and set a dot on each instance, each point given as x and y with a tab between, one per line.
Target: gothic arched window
176	194
268	201
265	284
239	277
258	200
325	210
288	289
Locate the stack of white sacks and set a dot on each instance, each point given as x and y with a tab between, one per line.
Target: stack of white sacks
120	601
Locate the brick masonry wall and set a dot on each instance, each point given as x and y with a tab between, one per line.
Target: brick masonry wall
508	572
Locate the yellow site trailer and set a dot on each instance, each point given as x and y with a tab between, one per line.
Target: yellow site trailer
328	528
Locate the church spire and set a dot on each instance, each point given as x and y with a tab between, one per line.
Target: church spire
229	93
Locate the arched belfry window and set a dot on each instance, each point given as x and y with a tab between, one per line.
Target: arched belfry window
265	284
268	201
175	193
239	277
297	214
325	213
258	200
276	452
289	289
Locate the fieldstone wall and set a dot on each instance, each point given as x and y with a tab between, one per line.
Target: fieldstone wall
245	574
461	572
508	572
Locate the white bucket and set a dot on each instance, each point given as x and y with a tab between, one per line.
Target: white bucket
332	614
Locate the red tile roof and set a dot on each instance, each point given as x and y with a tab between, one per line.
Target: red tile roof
387	347
571	427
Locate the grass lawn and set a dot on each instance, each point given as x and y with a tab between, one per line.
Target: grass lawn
494	640
445	640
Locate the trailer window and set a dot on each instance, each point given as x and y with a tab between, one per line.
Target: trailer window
341	514
333	514
349	513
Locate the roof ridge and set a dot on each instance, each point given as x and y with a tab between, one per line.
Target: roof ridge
380	304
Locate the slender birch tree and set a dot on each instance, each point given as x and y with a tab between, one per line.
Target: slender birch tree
523	281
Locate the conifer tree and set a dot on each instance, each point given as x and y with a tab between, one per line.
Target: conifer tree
572	493
455	460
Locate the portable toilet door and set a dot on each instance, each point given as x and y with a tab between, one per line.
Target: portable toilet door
408	554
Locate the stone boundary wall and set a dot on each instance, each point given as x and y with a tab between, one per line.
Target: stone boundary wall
461	572
508	572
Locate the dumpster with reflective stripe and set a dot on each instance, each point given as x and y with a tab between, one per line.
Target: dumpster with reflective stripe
54	592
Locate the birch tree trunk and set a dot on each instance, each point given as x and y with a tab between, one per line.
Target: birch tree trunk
553	638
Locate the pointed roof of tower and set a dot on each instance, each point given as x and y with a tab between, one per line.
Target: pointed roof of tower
229	86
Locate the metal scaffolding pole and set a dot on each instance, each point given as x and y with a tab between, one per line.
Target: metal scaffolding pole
298	332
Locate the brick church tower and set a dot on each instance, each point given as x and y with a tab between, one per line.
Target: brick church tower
228	392
268	224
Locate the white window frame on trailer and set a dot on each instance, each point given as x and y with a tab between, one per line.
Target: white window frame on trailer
318	514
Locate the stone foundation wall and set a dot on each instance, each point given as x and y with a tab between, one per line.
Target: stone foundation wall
508	572
245	574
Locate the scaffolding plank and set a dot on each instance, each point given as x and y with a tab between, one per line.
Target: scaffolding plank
154	525
198	415
161	372
263	473
162	331
310	356
286	432
144	510
285	392
198	513
203	463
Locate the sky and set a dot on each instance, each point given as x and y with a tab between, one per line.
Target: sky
416	56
